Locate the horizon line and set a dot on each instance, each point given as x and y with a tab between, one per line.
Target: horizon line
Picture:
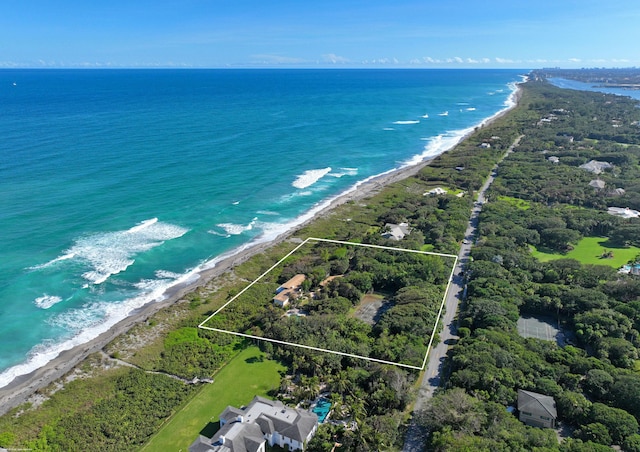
355	68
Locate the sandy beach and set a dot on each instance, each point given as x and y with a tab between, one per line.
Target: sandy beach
21	388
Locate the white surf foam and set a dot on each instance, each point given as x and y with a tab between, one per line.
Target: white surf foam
218	233
388	128
235	229
64	257
109	253
143	225
46	301
444	113
439	144
344	172
425	116
471	109
310	177
407	122
166	274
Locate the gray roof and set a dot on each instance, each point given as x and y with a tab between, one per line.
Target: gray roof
232	437
596	167
230	413
262	416
533	401
396	231
275	416
300	429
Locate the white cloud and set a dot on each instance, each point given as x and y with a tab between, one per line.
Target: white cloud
575	60
276	59
335	59
503	60
458	60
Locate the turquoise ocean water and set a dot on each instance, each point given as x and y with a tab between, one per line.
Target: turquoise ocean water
117	184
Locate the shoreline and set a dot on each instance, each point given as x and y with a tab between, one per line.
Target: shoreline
21	388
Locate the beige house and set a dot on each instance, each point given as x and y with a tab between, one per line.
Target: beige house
537	410
289	291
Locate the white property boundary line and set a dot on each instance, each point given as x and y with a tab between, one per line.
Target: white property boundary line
308	347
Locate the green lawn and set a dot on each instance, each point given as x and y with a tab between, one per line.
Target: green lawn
589	250
246	375
516	202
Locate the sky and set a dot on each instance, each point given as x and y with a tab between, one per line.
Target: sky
520	34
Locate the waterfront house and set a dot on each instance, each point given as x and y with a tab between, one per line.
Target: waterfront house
396	231
263	421
289	290
436	191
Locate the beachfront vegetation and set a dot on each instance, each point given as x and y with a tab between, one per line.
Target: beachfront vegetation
533	203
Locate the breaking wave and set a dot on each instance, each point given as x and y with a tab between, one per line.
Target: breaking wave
310	177
46	301
407	122
108	253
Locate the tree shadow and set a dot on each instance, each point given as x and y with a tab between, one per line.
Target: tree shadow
254	359
607	243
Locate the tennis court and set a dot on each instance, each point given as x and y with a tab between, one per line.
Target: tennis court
539	327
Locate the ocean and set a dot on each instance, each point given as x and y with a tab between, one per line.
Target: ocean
118	184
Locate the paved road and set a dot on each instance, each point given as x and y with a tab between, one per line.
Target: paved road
415	439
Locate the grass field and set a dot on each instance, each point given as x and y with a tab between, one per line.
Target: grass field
589	250
245	376
516	202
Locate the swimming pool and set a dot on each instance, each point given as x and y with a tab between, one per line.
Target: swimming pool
322	409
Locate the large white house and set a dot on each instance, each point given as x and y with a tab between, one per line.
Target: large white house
248	429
